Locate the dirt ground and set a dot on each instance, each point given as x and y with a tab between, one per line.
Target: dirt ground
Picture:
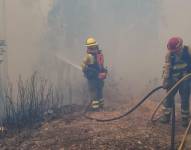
74	132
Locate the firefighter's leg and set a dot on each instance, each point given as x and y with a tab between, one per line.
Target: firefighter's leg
185	96
167	107
100	84
93	94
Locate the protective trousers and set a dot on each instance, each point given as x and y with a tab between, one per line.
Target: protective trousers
96	92
184	91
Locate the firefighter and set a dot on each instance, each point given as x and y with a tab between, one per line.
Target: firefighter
177	65
95	72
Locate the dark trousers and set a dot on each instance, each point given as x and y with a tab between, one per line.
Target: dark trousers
184	91
96	89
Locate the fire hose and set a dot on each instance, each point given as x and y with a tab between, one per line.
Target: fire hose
173	115
140	103
167	94
125	114
154	112
184	137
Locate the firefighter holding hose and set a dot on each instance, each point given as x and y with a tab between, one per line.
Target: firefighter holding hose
95	72
177	65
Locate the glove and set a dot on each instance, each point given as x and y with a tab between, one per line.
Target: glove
167	85
102	75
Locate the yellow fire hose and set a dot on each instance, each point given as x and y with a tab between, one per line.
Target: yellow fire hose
184	137
136	106
167	94
155	110
161	102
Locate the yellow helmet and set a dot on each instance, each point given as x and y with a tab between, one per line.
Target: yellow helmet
91	42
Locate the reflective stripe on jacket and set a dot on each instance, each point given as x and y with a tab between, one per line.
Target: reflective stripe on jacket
177	65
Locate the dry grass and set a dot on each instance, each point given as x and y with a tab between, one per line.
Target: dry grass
34	99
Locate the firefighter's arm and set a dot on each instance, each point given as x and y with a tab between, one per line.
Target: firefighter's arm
88	59
189	65
166	71
189	51
83	66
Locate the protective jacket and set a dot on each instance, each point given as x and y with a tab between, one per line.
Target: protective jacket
93	66
177	65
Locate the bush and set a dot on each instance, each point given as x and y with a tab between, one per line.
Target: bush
34	98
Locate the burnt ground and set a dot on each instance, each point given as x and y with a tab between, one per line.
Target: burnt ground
74	132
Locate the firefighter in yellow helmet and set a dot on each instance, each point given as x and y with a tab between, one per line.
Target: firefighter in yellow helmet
95	72
177	65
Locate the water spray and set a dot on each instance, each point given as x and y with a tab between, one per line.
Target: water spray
68	62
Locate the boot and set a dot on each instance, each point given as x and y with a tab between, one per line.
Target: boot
101	104
185	118
165	119
95	105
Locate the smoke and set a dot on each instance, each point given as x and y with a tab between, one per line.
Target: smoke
175	19
132	35
127	31
26	25
65	60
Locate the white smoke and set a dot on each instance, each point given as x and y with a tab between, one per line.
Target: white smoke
132	34
26	22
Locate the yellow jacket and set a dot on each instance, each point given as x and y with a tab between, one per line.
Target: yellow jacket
88	59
